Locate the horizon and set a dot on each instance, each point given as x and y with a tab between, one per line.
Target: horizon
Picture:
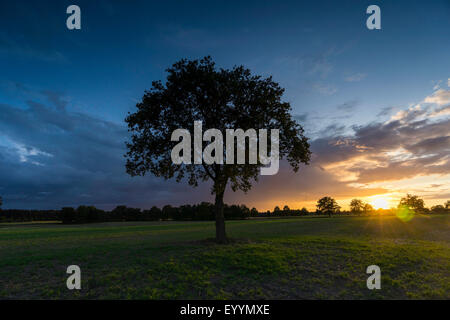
374	103
377	206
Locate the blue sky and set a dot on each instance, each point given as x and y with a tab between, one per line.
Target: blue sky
56	83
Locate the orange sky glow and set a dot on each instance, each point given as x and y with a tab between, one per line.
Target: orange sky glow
378	163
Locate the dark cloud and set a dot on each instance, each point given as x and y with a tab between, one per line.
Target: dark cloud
402	148
56	98
301	117
385	111
333	130
58	158
431	145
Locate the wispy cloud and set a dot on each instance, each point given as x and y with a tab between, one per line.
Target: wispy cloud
385	111
301	117
324	89
440	97
355	77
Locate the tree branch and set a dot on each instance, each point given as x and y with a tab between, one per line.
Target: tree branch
208	172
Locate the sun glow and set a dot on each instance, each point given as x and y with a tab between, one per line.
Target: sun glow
380	203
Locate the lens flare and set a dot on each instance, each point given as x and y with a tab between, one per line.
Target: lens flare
404	213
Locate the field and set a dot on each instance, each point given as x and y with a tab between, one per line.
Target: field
289	258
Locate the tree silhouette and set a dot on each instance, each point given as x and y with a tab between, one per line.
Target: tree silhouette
447	204
412	202
356	206
367	208
327	205
222	99
438	209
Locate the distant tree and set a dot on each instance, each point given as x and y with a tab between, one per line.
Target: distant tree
447	204
186	212
168	212
356	206
367	208
155	213
304	211
327	205
412	202
276	209
243	212
254	212
221	98
119	212
204	211
286	208
1	202
68	215
87	214
438	209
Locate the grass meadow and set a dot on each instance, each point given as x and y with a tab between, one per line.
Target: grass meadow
285	258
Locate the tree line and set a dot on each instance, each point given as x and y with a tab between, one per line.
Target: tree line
326	206
412	203
88	214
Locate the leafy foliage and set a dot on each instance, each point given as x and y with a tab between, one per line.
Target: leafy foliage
356	206
327	205
221	99
412	202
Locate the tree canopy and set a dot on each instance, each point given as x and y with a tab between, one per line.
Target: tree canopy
222	99
412	202
327	205
356	206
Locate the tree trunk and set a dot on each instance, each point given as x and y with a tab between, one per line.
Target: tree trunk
221	236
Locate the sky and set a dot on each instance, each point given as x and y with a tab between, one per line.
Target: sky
374	103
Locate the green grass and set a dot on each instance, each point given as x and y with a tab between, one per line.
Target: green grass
292	258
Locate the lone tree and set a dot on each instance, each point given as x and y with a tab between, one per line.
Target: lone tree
438	209
327	205
222	99
412	202
356	206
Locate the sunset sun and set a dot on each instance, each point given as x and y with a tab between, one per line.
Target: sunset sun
380	203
